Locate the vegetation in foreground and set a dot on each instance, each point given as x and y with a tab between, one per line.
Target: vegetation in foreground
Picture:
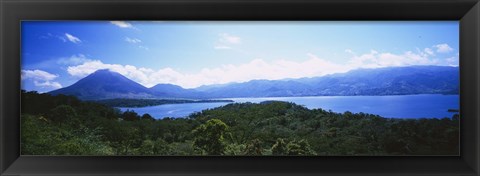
64	125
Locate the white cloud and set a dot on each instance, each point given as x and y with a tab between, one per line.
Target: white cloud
429	51
136	42
38	75
227	38
73	60
132	40
452	61
349	51
375	59
72	38
122	24
262	69
50	35
41	78
48	84
255	69
225	41
47	36
132	72
143	47
443	48
144	76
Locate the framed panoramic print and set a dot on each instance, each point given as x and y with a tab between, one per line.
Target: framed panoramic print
240	87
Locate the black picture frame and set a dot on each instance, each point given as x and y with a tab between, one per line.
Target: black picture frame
13	11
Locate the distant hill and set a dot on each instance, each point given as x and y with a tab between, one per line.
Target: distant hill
389	81
260	88
104	84
174	91
379	81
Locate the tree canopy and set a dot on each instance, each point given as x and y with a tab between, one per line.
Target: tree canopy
64	125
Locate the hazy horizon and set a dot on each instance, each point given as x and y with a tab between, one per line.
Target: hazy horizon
253	79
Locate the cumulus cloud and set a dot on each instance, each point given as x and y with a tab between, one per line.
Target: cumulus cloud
38	75
132	40
427	56
225	41
48	84
132	72
311	66
429	51
41	78
255	69
375	59
122	24
145	76
443	48
452	61
72	38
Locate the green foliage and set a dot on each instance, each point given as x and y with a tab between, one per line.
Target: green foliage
130	116
41	137
64	125
147	117
62	113
162	148
254	147
123	137
209	137
38	136
280	147
83	142
301	147
235	149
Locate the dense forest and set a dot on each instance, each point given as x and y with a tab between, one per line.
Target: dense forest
64	125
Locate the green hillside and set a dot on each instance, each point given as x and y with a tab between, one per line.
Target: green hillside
64	125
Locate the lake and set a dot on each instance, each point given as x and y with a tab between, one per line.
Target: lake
397	106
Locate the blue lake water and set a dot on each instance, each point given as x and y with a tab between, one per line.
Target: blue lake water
398	106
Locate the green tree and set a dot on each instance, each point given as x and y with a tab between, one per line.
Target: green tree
123	137
147	116
82	142
157	147
64	125
147	148
62	113
280	147
254	147
38	136
161	147
130	116
300	148
234	149
209	137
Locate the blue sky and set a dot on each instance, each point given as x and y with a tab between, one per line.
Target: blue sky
56	54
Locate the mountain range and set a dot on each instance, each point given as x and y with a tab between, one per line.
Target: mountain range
105	84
